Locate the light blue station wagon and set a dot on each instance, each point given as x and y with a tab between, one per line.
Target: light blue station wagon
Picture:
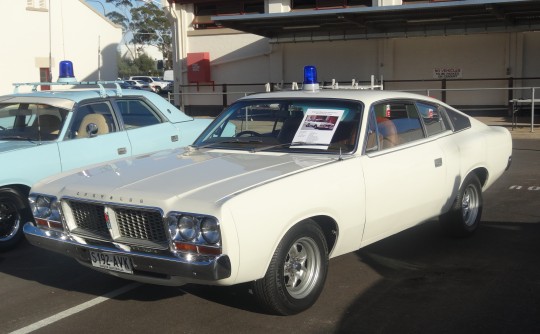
47	132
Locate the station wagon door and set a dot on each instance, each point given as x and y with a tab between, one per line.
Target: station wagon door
405	172
93	137
147	130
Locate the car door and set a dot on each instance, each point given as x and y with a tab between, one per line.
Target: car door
405	172
147	130
93	136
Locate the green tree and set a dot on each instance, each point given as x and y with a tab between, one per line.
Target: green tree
150	26
145	25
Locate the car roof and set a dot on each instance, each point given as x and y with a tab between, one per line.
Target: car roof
367	96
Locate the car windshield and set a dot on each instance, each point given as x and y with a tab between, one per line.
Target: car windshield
308	125
30	121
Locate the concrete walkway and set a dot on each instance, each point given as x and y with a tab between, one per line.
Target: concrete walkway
520	130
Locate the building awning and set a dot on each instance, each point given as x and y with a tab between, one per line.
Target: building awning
408	20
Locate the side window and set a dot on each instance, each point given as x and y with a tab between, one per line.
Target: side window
398	123
373	138
99	114
433	120
136	114
459	121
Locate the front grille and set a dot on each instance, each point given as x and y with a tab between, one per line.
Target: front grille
90	218
137	224
132	225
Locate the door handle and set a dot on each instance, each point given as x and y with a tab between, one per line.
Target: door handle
122	150
438	162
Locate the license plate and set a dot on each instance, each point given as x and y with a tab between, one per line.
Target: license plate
111	262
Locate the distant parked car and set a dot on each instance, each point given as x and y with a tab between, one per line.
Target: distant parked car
48	132
157	84
125	85
140	84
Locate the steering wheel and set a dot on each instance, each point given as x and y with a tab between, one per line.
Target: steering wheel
248	133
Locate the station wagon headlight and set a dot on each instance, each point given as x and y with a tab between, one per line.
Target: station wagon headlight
46	211
188	227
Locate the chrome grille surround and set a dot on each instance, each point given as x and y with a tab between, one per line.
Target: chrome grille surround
113	222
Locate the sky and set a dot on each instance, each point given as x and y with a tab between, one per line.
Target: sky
101	5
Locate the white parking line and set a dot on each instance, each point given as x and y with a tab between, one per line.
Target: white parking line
76	309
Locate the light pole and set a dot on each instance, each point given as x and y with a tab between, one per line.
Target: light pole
99	40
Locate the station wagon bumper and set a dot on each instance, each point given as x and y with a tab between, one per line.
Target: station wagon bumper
173	269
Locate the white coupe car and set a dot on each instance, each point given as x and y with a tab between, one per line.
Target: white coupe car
260	198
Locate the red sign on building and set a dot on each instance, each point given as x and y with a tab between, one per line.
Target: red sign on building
198	67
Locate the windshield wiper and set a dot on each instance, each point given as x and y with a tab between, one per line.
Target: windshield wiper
230	141
294	143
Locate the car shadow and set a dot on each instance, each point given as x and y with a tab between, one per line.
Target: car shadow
487	283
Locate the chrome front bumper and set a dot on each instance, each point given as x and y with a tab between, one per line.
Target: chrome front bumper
148	268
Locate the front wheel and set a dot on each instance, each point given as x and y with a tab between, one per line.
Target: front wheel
297	271
13	213
463	219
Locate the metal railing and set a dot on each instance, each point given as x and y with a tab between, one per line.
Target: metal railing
511	103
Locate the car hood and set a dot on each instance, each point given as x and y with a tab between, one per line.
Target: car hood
11	145
193	175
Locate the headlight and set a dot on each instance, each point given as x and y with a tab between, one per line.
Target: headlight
41	205
194	233
210	230
188	227
46	211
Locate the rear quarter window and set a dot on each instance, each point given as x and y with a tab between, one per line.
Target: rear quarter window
458	120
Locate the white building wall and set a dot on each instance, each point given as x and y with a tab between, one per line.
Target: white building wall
531	63
244	58
78	33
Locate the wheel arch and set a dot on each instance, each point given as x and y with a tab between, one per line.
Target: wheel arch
482	174
22	189
329	228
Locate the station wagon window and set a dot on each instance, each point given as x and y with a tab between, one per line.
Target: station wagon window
306	125
136	113
397	123
30	121
99	114
434	120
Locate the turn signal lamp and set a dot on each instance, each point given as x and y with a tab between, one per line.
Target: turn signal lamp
310	78
66	72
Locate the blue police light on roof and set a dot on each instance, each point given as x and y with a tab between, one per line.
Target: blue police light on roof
310	78
66	72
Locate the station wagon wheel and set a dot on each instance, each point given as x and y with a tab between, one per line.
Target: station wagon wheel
463	218
13	213
297	271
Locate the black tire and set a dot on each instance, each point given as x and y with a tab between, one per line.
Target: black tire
14	212
463	219
297	272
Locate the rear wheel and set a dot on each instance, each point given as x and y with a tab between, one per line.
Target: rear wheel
463	219
297	272
13	214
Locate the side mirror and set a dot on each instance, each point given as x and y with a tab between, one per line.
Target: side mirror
92	130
